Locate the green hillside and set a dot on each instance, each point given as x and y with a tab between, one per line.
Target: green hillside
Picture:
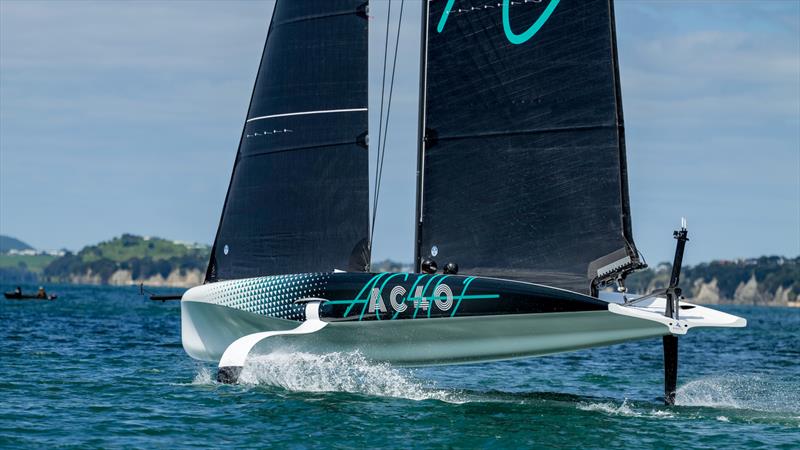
129	246
9	243
143	257
764	280
33	263
20	268
770	275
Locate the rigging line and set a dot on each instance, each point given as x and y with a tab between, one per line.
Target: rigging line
382	147
380	123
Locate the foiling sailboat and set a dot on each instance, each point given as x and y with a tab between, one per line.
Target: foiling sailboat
522	217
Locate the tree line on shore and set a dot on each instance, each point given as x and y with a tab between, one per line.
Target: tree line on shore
768	279
131	259
140	258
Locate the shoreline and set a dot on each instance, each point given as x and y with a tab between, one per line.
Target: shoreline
33	286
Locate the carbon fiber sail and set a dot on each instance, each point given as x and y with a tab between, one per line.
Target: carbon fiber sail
523	165
298	196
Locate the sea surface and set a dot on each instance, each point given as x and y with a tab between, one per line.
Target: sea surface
102	367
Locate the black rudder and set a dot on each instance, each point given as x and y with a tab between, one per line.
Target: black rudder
670	368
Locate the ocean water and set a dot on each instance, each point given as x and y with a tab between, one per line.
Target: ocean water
104	368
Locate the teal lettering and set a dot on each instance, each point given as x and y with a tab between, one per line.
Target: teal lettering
512	37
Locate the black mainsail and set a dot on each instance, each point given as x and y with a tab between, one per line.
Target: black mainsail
523	163
298	199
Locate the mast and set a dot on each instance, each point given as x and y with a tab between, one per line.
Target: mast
423	58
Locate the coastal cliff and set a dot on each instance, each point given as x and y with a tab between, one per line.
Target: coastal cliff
124	277
769	281
131	259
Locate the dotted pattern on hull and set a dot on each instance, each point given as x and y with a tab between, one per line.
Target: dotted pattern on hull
272	296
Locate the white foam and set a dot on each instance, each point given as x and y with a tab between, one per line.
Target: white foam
741	392
723	419
339	372
706	392
203	376
609	408
625	409
661	413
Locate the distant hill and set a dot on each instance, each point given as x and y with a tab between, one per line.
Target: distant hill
765	280
9	243
128	247
131	259
388	265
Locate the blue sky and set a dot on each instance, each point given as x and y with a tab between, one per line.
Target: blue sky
125	117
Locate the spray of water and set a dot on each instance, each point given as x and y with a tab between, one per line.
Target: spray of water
731	392
336	372
353	373
749	392
609	408
626	409
203	377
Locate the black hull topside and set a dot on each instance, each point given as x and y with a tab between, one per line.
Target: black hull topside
397	296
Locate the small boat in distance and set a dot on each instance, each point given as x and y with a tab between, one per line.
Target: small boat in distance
156	297
17	294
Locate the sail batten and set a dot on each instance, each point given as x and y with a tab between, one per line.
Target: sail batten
307	113
437	138
523	164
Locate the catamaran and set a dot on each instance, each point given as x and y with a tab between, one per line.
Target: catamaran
523	221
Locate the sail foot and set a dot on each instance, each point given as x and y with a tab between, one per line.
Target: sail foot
614	267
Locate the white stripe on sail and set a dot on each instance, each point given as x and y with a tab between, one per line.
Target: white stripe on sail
328	111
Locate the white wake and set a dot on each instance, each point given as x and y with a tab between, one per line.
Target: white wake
339	372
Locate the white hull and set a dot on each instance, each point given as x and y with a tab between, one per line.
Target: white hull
208	330
211	322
